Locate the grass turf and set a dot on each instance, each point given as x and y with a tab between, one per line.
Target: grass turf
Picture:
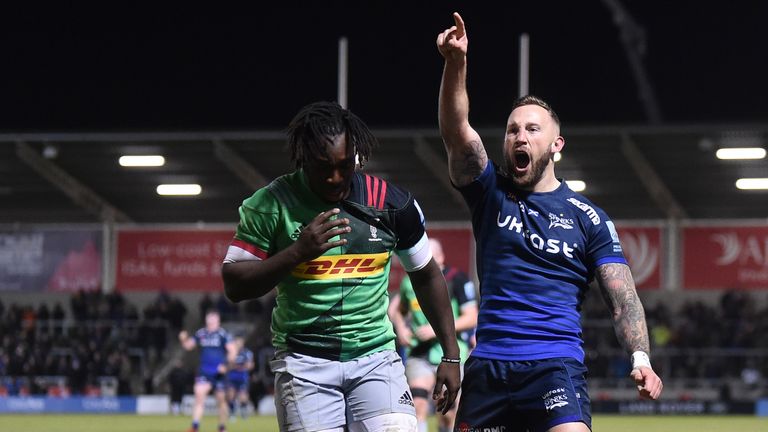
126	423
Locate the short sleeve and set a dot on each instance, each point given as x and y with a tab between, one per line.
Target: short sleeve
258	221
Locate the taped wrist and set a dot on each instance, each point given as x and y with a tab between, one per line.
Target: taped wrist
639	358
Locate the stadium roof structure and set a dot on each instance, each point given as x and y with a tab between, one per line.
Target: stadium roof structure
634	173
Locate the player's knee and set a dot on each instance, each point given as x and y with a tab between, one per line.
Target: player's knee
400	422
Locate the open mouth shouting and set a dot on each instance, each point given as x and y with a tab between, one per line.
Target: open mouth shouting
522	162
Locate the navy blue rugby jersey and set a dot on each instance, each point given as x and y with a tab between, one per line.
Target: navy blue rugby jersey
536	254
213	349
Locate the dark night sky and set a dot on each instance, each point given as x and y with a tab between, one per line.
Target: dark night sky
216	67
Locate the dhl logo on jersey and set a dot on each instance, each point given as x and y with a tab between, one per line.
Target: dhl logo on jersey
342	266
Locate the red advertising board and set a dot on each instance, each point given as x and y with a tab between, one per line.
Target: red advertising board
188	260
182	260
457	246
642	248
725	257
641	245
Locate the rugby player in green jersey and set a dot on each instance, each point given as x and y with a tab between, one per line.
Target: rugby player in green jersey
324	235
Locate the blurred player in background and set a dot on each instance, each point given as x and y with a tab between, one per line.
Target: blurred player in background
323	235
239	379
539	244
217	350
423	353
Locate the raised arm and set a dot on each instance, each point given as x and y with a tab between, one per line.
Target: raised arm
432	294
618	290
466	155
252	279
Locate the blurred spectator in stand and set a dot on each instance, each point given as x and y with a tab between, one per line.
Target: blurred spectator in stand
176	313
228	310
43	317
58	318
206	304
78	306
179	380
28	318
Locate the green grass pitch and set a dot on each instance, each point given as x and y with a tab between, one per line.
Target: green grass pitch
132	423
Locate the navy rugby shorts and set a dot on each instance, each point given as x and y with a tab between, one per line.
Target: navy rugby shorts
519	396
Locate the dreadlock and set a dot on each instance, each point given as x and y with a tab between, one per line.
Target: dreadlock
315	126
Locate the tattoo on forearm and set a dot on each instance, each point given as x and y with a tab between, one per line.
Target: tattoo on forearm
618	290
469	162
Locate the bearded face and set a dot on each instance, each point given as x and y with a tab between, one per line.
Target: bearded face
531	139
525	170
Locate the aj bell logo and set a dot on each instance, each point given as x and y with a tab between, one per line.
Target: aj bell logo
406	399
745	249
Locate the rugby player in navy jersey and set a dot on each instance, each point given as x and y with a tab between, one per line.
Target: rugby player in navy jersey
539	244
238	379
217	349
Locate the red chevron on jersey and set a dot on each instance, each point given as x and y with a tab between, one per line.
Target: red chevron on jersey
377	191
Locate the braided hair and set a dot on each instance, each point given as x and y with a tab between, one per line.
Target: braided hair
315	126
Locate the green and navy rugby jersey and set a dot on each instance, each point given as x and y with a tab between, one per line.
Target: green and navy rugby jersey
334	306
536	254
461	292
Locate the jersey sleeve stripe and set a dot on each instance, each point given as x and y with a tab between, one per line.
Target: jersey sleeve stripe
382	195
416	257
241	251
610	260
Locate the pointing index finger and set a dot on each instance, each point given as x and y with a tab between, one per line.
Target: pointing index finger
460	29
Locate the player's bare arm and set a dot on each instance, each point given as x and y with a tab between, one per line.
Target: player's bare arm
432	294
467	318
252	279
618	289
466	155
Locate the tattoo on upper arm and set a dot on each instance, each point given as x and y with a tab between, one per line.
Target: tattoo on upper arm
468	162
618	290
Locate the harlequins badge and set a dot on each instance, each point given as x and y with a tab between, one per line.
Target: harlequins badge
374	234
